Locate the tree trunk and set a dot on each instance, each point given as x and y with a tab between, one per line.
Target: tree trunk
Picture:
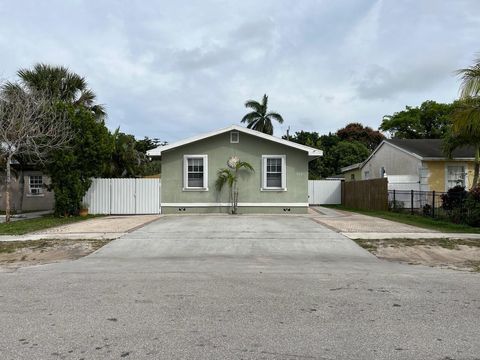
477	167
7	190
21	183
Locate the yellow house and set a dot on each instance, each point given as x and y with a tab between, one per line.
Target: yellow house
422	161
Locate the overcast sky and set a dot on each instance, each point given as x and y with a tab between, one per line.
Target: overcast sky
172	69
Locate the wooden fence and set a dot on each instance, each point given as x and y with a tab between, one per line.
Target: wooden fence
366	194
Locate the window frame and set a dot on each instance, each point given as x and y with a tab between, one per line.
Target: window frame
205	173
238	137
283	186
465	172
40	191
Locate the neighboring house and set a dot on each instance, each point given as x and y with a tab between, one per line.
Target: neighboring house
420	159
279	183
34	197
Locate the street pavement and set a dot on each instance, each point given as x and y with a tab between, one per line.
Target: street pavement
238	287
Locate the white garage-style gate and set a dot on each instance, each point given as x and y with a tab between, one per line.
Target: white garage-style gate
124	196
324	192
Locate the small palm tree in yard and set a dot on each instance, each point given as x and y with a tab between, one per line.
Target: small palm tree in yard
260	119
229	176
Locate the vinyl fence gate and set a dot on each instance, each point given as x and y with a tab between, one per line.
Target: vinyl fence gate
124	196
324	192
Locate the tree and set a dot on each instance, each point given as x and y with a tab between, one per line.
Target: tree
58	82
364	134
428	121
88	155
470	77
260	119
465	129
31	126
229	176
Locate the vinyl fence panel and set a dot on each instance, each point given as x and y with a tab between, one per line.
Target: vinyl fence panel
124	196
324	192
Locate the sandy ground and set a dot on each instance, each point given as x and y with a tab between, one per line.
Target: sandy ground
38	252
460	256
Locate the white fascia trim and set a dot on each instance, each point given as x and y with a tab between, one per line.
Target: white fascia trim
311	151
447	159
239	204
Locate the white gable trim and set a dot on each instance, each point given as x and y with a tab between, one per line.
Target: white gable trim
311	151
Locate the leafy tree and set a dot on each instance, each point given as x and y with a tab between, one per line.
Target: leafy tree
126	160
346	153
148	144
428	121
229	176
260	119
364	134
87	156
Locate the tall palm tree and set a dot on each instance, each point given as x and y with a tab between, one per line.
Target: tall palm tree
230	177
465	129
260	119
470	77
58	82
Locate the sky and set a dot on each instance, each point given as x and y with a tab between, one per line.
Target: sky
174	69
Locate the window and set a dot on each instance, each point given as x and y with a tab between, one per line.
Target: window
352	177
234	137
455	176
274	172
195	172
366	175
36	184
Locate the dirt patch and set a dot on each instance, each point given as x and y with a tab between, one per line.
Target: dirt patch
461	254
15	254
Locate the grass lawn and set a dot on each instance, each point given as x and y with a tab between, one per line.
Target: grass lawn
20	227
415	220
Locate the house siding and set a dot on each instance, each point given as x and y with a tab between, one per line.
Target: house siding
395	162
219	150
437	173
45	201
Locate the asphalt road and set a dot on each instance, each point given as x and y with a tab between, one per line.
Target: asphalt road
246	287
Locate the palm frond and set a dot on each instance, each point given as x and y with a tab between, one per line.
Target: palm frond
276	116
470	77
244	165
224	176
255	105
252	116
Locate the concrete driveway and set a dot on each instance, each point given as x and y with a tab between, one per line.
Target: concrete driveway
242	236
281	287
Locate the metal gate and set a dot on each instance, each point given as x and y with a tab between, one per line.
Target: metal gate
124	196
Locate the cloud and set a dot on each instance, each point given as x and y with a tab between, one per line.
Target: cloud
174	69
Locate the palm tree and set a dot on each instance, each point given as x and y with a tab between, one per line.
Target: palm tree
470	77
230	177
465	129
59	83
259	119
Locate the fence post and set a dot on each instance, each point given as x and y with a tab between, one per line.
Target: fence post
411	202
394	200
433	204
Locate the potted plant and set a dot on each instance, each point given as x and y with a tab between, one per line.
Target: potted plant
83	209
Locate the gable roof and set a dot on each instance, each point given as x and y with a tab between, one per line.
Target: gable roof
422	149
431	148
310	150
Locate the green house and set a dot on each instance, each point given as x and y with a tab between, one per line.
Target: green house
279	183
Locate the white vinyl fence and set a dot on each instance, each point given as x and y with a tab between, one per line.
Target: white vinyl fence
124	196
324	192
